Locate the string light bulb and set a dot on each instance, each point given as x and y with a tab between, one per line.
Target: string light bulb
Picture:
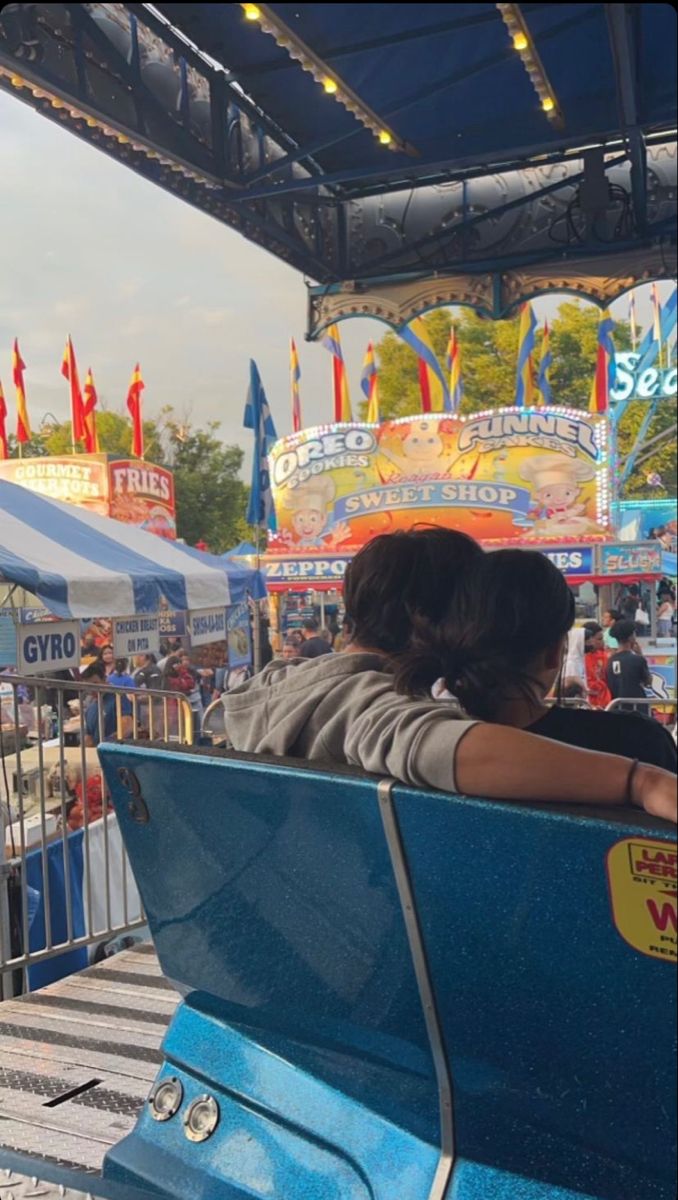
520	42
385	137
252	12
548	104
330	86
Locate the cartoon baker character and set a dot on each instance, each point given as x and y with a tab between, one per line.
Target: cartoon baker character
556	482
309	504
420	450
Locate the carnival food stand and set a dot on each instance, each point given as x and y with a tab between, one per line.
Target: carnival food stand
133	491
75	563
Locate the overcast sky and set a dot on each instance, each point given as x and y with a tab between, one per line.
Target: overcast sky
131	272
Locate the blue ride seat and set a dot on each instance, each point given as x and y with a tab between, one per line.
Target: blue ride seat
394	994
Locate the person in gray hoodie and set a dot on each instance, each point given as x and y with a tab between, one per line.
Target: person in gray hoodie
343	708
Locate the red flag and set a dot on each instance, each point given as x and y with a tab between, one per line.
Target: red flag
295	376
136	387
598	399
4	449
23	428
69	370
424	387
89	415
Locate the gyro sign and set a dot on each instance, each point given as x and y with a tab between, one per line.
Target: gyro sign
48	646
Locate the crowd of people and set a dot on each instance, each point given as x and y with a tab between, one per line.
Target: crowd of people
451	655
173	671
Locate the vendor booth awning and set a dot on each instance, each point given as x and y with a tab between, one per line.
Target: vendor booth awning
83	565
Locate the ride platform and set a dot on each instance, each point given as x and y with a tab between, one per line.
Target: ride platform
77	1060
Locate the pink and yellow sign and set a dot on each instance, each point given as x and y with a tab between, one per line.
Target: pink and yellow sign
130	490
500	476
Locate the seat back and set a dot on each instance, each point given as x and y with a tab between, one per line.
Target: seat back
351	949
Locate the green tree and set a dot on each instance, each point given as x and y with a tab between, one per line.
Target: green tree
489	351
211	498
115	437
35	448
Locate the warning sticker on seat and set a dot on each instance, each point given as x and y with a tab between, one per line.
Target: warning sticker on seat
641	876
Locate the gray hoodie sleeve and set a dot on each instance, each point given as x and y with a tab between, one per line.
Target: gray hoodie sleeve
414	742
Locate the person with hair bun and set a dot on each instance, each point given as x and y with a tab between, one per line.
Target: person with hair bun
499	650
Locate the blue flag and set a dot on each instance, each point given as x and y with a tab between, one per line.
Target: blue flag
649	347
258	418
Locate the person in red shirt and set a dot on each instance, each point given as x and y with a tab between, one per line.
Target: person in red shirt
179	678
595	659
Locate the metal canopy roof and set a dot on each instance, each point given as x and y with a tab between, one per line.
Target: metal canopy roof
478	197
444	77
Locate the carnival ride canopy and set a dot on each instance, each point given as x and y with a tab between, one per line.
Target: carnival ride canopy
371	143
82	565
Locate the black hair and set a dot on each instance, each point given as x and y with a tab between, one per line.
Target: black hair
511	606
573	690
95	670
591	628
623	631
121	665
398	576
310	625
614	613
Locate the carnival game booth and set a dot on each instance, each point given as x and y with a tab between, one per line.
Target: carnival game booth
130	490
67	886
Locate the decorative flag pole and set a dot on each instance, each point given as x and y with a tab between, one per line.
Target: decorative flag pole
89	414
4	448
525	370
23	427
295	376
657	322
369	386
342	401
632	321
435	395
453	364
69	370
136	387
260	512
545	361
603	379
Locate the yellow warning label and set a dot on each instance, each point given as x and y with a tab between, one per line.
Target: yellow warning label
642	880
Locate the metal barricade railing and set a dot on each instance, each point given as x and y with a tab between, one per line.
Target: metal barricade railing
58	832
638	702
213	725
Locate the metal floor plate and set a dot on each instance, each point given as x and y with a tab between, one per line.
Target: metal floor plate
23	1187
77	1060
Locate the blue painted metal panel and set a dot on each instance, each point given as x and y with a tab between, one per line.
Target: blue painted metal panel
270	893
559	1034
271	897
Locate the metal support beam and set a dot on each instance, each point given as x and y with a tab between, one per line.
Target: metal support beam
630	461
654	443
622	24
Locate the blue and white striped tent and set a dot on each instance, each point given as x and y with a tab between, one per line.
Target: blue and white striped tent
82	565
